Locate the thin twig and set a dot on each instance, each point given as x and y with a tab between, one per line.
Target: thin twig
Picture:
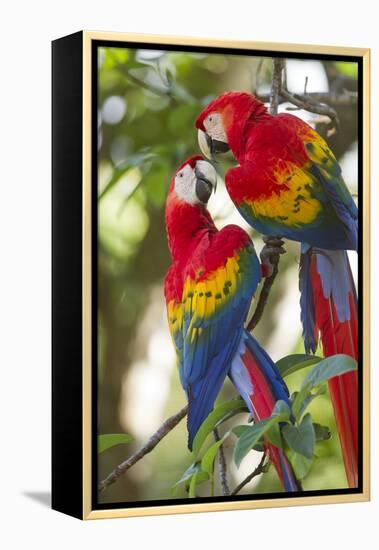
305	85
262	300
308	104
260	469
222	466
166	427
149	87
346	98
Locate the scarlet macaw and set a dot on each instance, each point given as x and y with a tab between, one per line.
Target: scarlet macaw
289	183
208	290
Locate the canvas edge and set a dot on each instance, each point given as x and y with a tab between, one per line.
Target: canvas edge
364	496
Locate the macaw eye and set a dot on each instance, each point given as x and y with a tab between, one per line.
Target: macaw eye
210	118
180	174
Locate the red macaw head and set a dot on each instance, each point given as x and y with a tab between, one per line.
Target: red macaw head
186	206
221	124
193	182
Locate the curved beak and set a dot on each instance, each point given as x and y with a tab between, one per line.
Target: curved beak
206	180
209	146
205	144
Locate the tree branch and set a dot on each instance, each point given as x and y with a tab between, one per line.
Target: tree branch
347	98
276	87
263	297
149	87
166	427
222	466
260	469
308	104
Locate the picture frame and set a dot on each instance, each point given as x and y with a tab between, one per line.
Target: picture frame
75	173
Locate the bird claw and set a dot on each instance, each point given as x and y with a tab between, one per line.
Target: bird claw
270	254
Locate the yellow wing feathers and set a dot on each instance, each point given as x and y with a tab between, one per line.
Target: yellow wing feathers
294	204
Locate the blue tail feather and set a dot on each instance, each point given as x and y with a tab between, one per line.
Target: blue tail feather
306	302
337	283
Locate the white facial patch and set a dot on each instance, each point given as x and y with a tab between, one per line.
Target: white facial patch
185	185
215	128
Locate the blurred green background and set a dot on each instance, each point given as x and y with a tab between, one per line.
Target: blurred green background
147	104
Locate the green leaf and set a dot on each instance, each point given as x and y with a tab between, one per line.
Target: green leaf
302	439
292	363
251	436
347	69
323	371
215	418
281	411
322	433
114	57
301	465
207	462
192	487
107	441
186	479
198	477
300	401
274	436
328	368
138	159
308	400
187	475
238	431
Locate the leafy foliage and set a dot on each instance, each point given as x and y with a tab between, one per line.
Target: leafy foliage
290	428
107	441
292	363
296	427
219	415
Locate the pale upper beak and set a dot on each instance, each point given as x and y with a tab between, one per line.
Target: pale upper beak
205	144
209	146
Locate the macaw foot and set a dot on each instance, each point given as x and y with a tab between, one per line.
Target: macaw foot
270	253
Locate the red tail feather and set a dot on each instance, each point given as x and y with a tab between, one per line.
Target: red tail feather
340	337
263	402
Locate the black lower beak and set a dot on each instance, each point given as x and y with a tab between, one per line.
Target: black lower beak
209	146
217	146
203	189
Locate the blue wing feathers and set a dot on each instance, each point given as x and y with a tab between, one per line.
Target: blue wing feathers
268	368
307	309
342	203
203	393
208	350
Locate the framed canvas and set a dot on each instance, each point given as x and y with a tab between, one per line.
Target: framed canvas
210	275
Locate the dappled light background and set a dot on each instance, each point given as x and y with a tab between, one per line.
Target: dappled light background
147	104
